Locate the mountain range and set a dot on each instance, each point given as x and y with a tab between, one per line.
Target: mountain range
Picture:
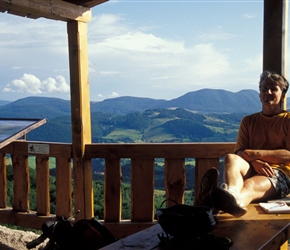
202	101
203	115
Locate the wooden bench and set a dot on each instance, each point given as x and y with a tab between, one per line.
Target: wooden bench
255	230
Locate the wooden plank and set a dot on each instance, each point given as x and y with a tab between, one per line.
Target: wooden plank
53	9
255	230
22	131
175	180
159	150
63	187
80	114
145	239
87	3
201	166
3	181
55	149
42	185
23	219
21	183
273	229
113	191
126	228
142	199
89	189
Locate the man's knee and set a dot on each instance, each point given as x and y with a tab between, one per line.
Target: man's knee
231	160
236	163
230	157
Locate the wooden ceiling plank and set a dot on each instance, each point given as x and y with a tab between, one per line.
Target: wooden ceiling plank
3	10
87	3
81	13
51	9
93	3
17	13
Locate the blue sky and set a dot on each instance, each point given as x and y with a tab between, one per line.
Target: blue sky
156	49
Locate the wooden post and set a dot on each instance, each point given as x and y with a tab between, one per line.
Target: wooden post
21	183
80	117
113	190
175	180
42	185
275	36
63	187
3	181
142	199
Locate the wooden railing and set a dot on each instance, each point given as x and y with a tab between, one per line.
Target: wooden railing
142	158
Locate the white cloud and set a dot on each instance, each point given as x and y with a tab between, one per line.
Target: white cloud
23	33
111	95
130	53
104	25
214	35
249	16
114	94
30	84
138	54
125	58
142	42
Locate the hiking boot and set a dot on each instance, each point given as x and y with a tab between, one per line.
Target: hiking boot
208	182
228	201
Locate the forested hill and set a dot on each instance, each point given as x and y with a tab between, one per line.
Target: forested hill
204	115
205	100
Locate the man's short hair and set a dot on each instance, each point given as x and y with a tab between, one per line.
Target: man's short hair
274	77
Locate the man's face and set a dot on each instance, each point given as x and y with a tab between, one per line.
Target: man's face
271	93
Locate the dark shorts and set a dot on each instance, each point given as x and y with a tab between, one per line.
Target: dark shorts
281	183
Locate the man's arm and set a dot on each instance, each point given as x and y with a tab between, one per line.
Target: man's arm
278	156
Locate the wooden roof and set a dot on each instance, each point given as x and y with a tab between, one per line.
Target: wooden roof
64	10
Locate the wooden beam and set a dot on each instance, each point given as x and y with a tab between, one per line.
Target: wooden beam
80	116
87	3
51	9
275	36
159	150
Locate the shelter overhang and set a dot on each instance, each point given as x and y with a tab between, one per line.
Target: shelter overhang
63	10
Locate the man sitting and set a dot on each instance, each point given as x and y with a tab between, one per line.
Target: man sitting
260	167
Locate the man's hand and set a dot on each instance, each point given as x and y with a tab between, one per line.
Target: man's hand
262	168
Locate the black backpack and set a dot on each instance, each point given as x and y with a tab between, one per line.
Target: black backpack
66	235
185	225
182	220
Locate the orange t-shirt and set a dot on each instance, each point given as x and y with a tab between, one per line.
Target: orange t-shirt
258	131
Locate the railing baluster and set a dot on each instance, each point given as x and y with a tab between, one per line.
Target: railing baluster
63	187
3	183
142	189
175	180
42	185
113	192
21	183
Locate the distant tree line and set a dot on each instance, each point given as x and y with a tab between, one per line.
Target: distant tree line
177	125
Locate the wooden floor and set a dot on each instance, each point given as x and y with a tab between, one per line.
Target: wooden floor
255	230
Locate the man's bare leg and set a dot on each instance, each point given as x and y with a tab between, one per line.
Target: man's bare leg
239	175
